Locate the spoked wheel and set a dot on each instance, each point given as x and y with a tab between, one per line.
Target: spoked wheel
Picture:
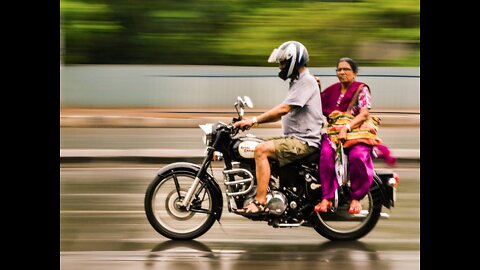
343	226
167	215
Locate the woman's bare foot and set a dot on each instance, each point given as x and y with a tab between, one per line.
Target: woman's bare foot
355	207
323	206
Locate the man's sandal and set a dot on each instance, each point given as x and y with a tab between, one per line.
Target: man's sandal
261	209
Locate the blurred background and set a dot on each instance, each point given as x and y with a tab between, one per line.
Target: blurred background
238	33
202	54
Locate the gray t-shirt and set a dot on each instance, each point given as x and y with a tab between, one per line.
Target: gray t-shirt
305	120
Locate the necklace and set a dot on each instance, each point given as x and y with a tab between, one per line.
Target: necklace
339	99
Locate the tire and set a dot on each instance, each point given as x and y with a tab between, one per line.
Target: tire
356	226
164	214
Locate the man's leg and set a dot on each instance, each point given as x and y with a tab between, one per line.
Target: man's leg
263	151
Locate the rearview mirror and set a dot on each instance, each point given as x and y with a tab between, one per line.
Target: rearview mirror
248	102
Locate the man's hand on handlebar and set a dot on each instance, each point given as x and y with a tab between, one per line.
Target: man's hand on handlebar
244	124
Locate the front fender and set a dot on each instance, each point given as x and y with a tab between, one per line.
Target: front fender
209	179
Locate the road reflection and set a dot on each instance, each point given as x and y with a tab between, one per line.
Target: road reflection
232	255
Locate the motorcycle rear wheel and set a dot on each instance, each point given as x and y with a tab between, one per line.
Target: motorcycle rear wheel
165	214
343	226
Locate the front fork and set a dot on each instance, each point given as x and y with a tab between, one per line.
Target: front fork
187	201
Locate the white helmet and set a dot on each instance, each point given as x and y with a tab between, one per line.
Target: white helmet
295	55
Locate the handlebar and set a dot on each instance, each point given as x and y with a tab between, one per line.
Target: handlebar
234	120
229	128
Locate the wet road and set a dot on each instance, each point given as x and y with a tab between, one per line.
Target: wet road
103	226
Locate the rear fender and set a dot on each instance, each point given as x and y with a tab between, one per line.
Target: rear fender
379	185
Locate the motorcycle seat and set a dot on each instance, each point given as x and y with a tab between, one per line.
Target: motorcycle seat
312	158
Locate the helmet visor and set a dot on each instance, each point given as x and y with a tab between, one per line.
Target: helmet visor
275	56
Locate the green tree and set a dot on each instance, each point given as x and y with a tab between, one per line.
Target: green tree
234	32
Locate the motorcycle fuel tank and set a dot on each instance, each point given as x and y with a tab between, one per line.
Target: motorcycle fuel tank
246	149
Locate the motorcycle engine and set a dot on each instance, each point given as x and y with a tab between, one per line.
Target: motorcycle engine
276	203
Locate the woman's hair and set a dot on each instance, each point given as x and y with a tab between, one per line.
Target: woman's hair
350	61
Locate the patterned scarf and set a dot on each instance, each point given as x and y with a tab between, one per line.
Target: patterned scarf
331	94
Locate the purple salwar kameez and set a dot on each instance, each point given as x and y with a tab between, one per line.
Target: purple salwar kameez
359	155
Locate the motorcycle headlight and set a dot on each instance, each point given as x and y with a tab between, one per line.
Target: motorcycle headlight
208	131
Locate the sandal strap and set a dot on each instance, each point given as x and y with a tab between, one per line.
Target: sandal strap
260	206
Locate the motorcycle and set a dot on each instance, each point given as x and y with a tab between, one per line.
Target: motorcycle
184	199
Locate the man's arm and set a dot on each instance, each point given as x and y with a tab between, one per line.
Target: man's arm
272	115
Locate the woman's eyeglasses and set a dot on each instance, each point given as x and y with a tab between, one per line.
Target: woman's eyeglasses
344	69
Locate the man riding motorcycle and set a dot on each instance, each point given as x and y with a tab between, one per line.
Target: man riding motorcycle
301	115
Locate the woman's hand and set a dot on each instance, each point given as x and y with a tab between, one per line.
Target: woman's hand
342	135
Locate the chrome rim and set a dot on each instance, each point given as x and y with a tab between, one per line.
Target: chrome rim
167	208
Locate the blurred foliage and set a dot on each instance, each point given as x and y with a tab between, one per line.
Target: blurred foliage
238	32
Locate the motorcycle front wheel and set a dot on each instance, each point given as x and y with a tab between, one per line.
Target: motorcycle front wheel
164	210
343	226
